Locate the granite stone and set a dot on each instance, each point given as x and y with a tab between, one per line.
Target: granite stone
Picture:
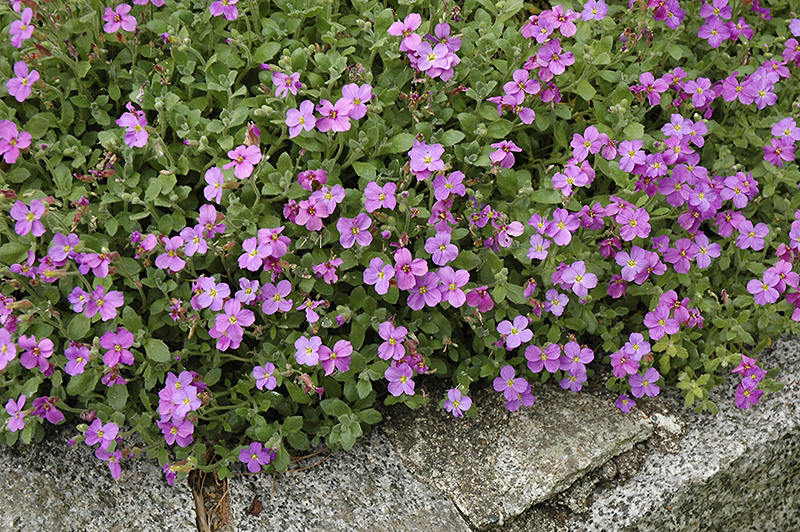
51	487
366	489
738	470
496	465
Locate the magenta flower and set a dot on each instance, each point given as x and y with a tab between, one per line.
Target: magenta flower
12	141
407	270
425	159
378	197
456	403
406	29
441	249
453	183
117	344
633	223
504	154
22	29
256	456
243	158
300	119
15	410
28	218
119	18
265	376
104	303
327	270
275	297
780	150
515	333
573	381
105	434
623	364
701	91
335	117
233	318
538	359
522	83
400	381
45	408
583	145
379	274
576	276
660	324
745	398
510	386
451	284
625	403
425	292
311	213
479	298
285	84
178	431
357	97
765	291
226	8
393	337
645	384
134	123
77	357
20	86
751	237
337	358
35	353
8	349
307	350
112	459
78	297
681	255
552	60
561	227
352	230
169	260
215	180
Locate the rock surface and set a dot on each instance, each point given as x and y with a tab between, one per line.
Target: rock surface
498	464
364	490
51	487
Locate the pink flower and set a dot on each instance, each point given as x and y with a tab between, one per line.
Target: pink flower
352	230
379	274
335	117
441	249
765	291
456	403
15	410
311	214
357	97
336	358
515	333
243	158
28	219
20	87
408	269
406	28
453	183
134	122
451	284
12	140
751	237
377	197
119	18
254	254
169	260
393	337
117	344
307	350
425	159
555	302
425	292
35	353
265	376
327	270
399	378
8	349
504	155
479	298
300	119
581	281
275	297
104	303
226	8
22	29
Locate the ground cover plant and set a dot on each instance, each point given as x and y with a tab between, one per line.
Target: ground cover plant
233	228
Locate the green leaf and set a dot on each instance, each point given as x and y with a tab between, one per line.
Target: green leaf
365	170
499	129
633	131
293	424
546	196
78	327
401	142
452	137
39	124
117	396
83	384
585	90
156	350
266	51
13	252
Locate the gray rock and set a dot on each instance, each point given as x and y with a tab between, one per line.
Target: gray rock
364	490
51	487
498	464
738	470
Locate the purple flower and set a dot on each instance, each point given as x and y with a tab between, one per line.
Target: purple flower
479	298
12	140
22	29
379	274
265	376
285	84
226	8
15	410
425	292
8	349
456	403
594	10
104	303
538	359
393	337
20	86
539	246
134	123
625	403
425	159
441	249
193	238
63	248
112	459
28	219
327	270
352	230
103	433
714	30
780	150
406	28
215	180
751	237
275	297
444	186
256	456
45	408
510	386
400	381
645	384
35	353
552	60
407	270
561	227
248	291
378	197
336	358
701	91
77	357
765	291
244	159
169	260
515	333
573	381
233	318
575	358
117	344
300	119
581	281
660	324
357	97
335	117
311	213
119	18
307	350
178	431
744	397
555	302
78	297
451	284
504	153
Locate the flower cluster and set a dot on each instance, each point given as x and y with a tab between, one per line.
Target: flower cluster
747	392
335	117
179	397
435	55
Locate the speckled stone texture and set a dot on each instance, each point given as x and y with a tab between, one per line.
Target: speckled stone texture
736	471
498	464
364	490
51	487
